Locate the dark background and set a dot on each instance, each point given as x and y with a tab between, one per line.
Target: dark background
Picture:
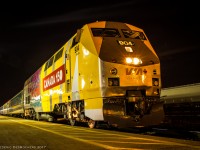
31	32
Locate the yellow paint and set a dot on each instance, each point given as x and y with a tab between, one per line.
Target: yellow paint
96	103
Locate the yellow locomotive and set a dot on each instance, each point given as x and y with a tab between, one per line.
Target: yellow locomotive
108	72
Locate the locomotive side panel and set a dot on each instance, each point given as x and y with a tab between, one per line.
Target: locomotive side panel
89	76
53	81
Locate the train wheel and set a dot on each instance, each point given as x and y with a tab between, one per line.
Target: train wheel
91	123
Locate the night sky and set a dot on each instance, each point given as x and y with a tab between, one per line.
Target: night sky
31	32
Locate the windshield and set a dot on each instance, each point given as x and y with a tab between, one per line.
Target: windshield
133	34
105	32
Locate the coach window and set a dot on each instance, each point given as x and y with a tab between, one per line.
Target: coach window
133	34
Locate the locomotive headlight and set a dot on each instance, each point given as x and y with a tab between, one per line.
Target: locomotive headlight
129	60
137	61
134	61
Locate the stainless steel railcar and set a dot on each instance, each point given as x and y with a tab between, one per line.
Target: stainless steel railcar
14	106
182	106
